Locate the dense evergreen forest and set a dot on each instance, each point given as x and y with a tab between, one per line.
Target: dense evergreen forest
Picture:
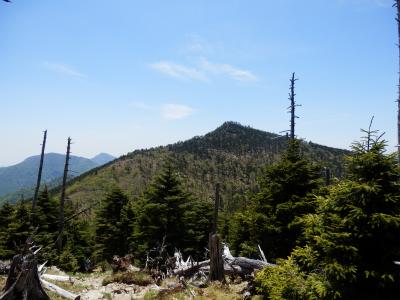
232	155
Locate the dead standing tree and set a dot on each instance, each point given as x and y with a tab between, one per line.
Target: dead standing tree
292	107
23	282
61	222
397	5
39	178
216	260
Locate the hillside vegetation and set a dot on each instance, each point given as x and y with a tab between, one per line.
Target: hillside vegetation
232	155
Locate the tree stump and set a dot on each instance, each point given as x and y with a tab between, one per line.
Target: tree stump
23	282
216	260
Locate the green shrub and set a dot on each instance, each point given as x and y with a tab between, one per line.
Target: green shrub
287	282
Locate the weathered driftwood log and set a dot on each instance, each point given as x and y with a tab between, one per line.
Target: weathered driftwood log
240	266
190	270
59	291
246	266
57	278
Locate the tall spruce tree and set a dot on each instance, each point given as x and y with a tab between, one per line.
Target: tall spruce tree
112	226
19	228
352	239
46	221
6	217
165	210
286	193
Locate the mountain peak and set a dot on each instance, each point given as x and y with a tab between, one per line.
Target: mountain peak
102	158
231	137
232	127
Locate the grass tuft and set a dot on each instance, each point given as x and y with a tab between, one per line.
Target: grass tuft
138	278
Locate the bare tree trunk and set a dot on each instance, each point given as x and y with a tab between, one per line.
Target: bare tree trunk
327	176
215	245
216	208
216	260
23	282
292	107
39	178
397	4
62	200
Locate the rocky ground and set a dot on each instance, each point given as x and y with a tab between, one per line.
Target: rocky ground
99	285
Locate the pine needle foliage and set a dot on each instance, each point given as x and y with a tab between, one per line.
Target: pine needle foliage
286	193
111	226
353	237
166	211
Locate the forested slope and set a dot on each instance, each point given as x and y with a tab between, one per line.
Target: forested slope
232	155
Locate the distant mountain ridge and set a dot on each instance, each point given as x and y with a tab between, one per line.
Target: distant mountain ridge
102	158
20	179
232	155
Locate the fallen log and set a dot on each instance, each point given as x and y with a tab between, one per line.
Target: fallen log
59	291
57	278
240	266
190	270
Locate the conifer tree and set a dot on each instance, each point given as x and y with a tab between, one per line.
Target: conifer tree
6	217
165	210
285	194
78	241
46	221
111	226
197	219
352	239
19	228
160	213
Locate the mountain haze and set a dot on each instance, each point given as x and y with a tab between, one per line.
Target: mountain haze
232	155
20	179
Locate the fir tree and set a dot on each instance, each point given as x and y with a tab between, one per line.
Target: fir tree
353	238
79	244
6	218
46	221
165	210
197	219
19	228
111	226
285	194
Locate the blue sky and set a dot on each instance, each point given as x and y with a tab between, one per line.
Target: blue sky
123	75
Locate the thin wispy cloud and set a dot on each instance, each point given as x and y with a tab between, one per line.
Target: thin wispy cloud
203	70
140	105
169	111
63	69
179	71
228	70
199	46
176	111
